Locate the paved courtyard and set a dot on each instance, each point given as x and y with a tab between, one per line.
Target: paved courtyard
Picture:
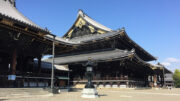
105	95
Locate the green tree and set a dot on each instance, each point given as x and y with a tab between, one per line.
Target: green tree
176	78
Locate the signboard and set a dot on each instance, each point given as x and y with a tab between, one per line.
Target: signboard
11	77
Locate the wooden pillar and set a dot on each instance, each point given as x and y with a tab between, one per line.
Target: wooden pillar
39	64
12	77
20	63
161	81
14	61
155	80
127	84
146	80
28	82
151	79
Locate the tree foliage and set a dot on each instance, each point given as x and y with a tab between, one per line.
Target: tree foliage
176	78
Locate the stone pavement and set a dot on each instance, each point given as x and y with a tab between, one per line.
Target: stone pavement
105	95
13	93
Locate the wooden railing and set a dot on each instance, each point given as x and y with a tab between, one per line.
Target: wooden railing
104	78
109	78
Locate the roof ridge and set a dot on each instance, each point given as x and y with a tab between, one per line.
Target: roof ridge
91	21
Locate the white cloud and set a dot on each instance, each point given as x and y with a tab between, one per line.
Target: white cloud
166	63
171	60
171	63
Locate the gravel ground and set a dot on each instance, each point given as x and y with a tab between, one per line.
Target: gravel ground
108	95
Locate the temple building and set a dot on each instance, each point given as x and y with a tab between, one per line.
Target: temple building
120	62
21	42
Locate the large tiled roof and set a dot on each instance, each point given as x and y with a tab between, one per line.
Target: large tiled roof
87	38
103	55
8	10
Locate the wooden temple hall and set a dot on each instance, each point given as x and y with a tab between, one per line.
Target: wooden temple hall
120	62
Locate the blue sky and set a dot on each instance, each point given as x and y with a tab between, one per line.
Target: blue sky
153	24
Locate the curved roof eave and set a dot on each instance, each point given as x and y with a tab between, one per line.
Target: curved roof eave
61	40
143	62
124	34
96	37
99	56
10	12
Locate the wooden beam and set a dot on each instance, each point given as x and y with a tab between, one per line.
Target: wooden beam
41	34
7	22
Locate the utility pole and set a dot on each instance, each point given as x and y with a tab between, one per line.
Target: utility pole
52	72
68	80
164	77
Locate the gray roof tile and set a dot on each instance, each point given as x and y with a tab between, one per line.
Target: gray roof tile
95	56
8	10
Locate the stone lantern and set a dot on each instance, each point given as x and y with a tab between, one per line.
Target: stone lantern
89	91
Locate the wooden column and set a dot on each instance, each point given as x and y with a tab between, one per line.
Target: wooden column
155	80
39	64
146	80
20	63
161	81
14	61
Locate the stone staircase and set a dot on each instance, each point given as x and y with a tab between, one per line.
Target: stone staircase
10	93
